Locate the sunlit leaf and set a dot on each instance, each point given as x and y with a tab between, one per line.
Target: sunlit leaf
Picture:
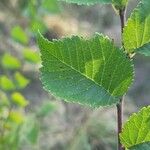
137	31
31	55
136	130
20	80
19	35
6	83
10	62
19	99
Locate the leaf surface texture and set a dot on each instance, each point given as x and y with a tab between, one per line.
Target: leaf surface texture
91	2
92	71
137	31
137	130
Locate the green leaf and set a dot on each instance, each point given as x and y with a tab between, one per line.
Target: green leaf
19	35
6	84
10	62
117	3
137	129
88	2
145	50
143	146
91	72
20	80
19	99
31	55
137	31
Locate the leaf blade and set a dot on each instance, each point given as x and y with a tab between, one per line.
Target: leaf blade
85	71
137	31
136	129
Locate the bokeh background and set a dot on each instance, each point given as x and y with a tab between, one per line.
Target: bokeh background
31	118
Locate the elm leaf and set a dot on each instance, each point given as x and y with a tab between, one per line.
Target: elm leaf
137	31
90	72
136	130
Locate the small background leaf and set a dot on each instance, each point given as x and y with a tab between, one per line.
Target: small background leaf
31	55
6	83
137	129
10	62
137	31
19	99
20	80
19	35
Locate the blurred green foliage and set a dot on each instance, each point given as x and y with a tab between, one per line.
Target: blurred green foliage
10	62
35	10
17	126
19	99
31	56
6	84
19	35
20	81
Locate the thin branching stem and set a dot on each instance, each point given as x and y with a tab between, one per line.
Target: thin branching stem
119	120
120	104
